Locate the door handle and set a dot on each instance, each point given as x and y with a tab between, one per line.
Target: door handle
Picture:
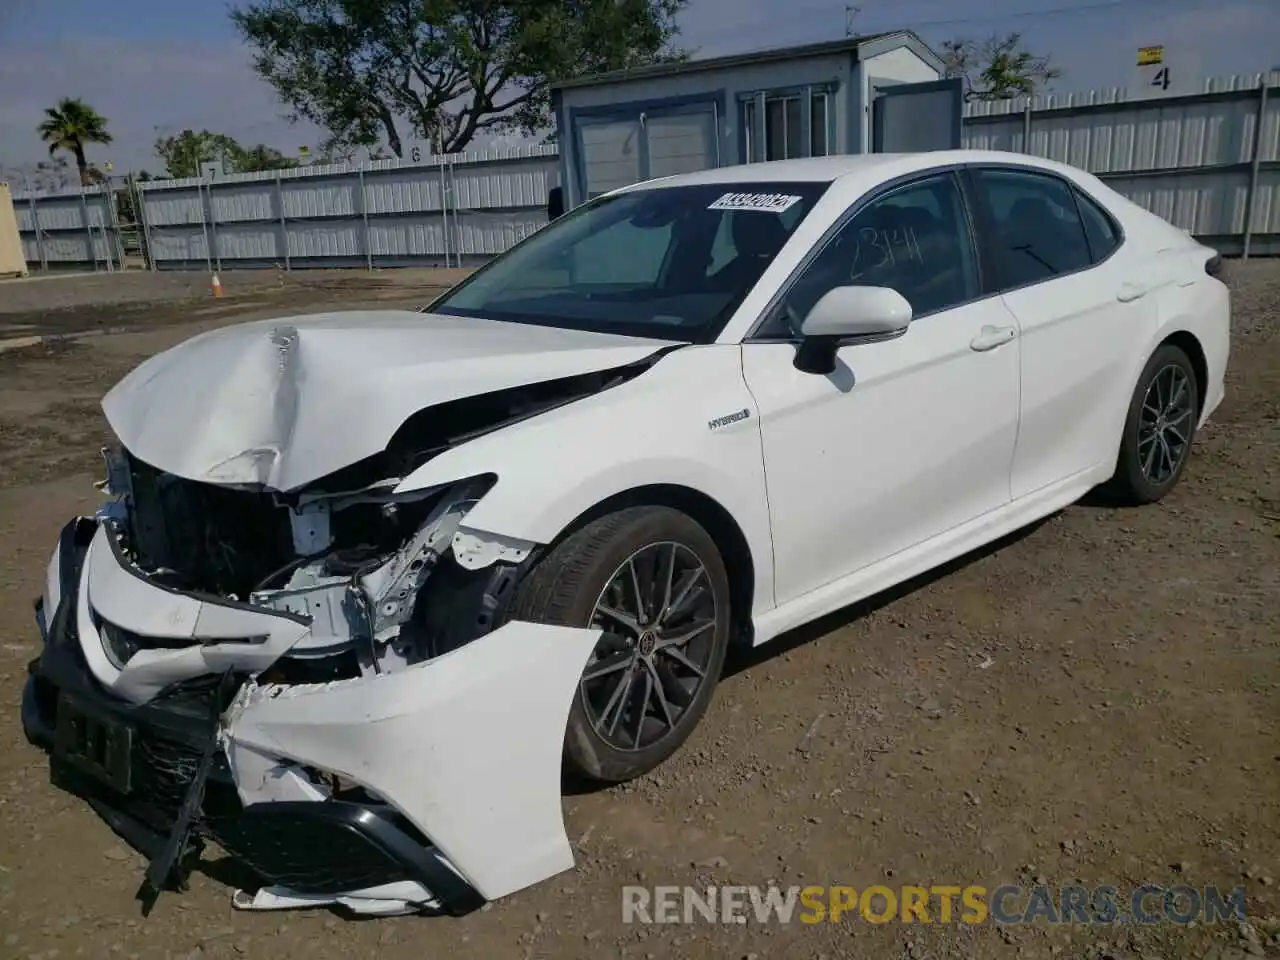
1131	291
990	337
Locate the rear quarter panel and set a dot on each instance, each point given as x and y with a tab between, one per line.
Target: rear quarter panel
1186	300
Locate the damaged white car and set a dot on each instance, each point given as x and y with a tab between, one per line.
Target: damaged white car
368	583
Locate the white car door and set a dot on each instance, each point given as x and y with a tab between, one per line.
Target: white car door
908	437
1081	315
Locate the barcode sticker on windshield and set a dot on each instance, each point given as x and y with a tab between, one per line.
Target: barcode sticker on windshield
765	202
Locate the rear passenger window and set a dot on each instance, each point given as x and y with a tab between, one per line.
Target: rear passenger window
1099	228
1038	234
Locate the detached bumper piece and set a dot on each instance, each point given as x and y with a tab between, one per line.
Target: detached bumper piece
157	775
166	788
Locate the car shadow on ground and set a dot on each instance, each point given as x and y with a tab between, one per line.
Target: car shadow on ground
742	657
229	872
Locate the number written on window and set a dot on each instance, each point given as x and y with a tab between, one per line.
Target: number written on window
914	240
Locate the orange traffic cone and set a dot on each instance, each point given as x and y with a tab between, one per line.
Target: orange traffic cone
216	286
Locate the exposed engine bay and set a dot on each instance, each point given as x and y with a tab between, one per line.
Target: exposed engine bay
375	572
354	563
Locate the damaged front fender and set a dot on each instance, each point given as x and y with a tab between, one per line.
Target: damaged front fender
466	746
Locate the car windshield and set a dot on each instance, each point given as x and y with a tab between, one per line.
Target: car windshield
670	263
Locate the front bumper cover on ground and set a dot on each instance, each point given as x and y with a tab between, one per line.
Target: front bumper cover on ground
457	760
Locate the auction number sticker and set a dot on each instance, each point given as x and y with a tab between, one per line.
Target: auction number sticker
765	202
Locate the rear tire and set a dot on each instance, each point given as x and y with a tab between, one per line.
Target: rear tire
1159	429
654	580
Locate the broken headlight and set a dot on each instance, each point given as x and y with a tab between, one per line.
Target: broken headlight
119	645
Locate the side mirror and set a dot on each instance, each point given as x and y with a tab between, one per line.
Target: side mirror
849	315
555	203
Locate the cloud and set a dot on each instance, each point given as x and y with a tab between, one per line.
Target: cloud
145	90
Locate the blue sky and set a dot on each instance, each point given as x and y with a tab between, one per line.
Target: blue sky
155	67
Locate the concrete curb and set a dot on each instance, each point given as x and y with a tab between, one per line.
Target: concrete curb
19	343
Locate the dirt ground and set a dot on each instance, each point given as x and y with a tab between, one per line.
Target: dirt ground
61	304
1094	701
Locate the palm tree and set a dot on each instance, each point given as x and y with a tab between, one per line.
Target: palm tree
70	126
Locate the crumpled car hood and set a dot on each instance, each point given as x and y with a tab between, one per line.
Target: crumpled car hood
285	402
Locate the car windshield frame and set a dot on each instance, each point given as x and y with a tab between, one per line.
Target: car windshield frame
699	220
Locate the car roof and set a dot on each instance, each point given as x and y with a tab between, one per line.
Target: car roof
878	166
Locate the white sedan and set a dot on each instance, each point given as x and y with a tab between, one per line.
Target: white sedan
371	581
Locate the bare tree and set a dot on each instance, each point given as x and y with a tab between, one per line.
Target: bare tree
46	176
997	68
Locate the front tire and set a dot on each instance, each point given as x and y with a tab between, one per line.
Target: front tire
1158	430
652	578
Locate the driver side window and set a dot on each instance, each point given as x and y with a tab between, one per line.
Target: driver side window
914	239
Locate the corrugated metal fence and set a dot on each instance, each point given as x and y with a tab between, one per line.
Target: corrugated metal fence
457	209
73	229
1208	161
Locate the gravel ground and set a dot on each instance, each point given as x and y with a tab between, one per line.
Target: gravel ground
1095	700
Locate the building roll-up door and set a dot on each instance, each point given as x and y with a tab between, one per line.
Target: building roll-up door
610	155
911	117
618	151
682	143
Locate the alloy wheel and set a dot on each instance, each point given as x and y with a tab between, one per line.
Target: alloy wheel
1164	424
659	614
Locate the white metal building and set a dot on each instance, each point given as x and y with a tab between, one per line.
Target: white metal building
877	93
